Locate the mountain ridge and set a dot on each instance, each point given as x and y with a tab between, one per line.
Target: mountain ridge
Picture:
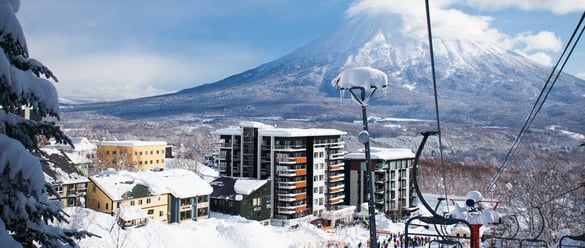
478	82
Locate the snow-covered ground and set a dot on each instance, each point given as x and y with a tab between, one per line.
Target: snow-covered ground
219	231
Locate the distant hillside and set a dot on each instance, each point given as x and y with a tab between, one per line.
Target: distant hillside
479	83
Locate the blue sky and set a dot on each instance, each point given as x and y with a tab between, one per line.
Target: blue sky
110	50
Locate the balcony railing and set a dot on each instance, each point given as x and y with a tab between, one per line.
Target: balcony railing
291	173
336	178
292	185
292	197
336	167
292	209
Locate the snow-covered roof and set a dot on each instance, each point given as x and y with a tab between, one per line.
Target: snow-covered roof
234	189
365	77
131	143
266	130
58	169
178	182
77	158
255	124
82	144
382	154
299	132
132	213
247	186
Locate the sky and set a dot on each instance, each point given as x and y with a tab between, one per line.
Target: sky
112	50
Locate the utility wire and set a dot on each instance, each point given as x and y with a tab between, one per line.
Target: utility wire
546	89
434	78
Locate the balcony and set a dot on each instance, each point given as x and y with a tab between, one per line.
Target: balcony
292	197
292	185
336	167
336	189
290	148
292	209
336	200
337	156
336	178
291	173
292	160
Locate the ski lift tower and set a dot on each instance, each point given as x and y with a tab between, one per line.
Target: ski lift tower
362	82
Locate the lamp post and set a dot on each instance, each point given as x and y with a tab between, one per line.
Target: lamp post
358	81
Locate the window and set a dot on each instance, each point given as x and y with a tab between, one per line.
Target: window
93	188
202	212
147	200
107	152
151	154
141	153
157	161
58	188
150	161
161	213
118	204
185	215
151	211
131	203
98	204
186	201
157	151
114	152
256	201
135	153
107	206
139	202
71	202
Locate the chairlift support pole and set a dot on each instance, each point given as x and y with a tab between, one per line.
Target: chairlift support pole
365	139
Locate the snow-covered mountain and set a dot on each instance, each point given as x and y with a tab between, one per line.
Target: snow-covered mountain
478	82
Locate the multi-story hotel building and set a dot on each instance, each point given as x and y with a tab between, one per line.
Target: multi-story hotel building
306	166
393	186
132	155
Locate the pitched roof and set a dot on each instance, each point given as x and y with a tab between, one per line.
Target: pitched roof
230	188
178	182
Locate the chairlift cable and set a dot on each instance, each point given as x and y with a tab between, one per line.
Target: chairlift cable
540	100
434	81
539	205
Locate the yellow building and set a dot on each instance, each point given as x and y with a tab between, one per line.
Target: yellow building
169	196
132	155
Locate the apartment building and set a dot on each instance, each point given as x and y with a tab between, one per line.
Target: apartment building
132	155
68	181
306	166
169	196
393	186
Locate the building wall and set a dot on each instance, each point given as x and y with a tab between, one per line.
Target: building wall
392	185
97	199
156	206
71	194
255	206
132	157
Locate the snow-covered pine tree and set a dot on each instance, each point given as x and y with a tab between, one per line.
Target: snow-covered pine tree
25	209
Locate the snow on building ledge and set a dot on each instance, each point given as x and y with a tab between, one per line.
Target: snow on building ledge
382	154
131	143
247	186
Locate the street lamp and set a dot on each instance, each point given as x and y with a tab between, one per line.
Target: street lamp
362	82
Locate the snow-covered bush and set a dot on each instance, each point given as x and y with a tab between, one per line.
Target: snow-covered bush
25	208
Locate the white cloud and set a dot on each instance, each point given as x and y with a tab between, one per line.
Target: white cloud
555	6
451	23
